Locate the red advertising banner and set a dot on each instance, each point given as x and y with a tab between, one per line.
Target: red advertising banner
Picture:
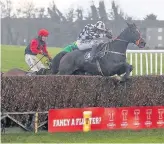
88	119
75	119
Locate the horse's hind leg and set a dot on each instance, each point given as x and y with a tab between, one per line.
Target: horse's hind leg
56	62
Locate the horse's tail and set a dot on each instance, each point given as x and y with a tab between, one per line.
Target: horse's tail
56	62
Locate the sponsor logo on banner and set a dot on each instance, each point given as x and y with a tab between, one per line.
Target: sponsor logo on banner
111	118
148	121
160	121
136	117
124	114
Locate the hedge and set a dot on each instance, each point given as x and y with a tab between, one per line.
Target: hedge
40	93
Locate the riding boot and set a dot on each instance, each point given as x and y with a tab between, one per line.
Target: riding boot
42	71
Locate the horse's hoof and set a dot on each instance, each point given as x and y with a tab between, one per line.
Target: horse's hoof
118	78
123	79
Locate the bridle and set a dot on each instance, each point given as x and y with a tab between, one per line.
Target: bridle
137	42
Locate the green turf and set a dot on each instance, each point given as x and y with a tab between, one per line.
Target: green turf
13	57
151	136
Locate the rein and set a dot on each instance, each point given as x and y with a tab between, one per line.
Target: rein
106	52
114	52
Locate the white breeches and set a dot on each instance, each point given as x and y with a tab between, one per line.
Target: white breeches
31	60
84	45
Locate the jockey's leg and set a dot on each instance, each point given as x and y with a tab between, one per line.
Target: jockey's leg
41	68
30	60
94	44
39	64
84	45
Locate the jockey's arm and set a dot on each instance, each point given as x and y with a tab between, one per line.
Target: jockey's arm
108	34
34	46
68	48
46	51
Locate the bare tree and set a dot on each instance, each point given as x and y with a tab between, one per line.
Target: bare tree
55	13
115	13
102	11
41	13
70	15
79	14
6	8
150	17
7	13
94	11
18	13
29	10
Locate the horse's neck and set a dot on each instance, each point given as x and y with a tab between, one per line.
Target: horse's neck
119	45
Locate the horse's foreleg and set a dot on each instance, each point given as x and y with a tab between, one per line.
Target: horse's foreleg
128	69
123	68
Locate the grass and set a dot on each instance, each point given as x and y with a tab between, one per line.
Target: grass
124	136
13	57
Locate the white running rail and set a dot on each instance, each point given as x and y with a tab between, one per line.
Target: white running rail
146	62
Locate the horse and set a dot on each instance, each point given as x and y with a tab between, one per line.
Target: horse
56	62
111	59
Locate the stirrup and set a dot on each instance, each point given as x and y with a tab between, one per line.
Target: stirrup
42	71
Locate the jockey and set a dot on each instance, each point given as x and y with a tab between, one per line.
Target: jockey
56	60
86	39
71	47
37	46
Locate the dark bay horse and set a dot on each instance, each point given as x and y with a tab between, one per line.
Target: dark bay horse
112	60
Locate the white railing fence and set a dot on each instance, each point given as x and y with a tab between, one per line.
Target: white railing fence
146	62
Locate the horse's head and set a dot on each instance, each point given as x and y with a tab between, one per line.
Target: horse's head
133	35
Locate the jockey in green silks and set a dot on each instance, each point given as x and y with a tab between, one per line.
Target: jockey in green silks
56	60
71	47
